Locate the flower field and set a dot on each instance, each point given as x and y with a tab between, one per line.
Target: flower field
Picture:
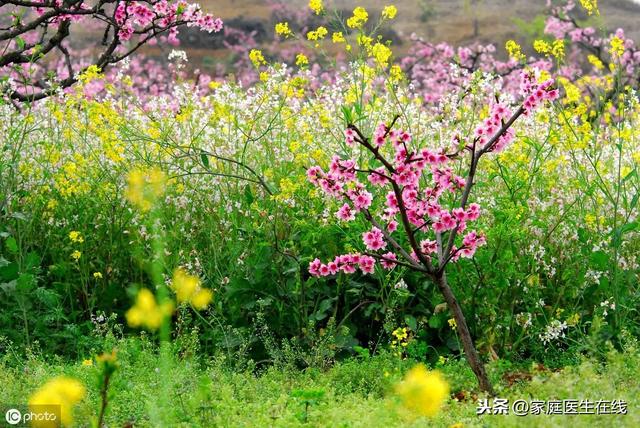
327	230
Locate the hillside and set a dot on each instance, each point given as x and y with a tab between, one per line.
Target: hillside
449	20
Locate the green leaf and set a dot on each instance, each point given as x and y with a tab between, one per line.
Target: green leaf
248	195
205	159
634	201
12	245
347	115
599	260
25	283
33	260
631	175
8	287
323	307
411	322
435	322
9	271
19	216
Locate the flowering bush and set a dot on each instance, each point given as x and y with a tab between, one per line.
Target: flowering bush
429	228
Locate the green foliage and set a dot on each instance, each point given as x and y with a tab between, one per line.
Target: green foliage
352	393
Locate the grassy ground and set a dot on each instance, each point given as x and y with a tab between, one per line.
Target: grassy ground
357	393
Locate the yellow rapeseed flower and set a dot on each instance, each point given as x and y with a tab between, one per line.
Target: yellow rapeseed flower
59	395
76	255
145	187
557	49
395	73
617	46
381	53
365	41
257	58
184	285
316	6
147	312
97	275
595	61
188	290
202	298
514	50
423	391
319	34
389	12
75	236
591	6
301	60
92	72
359	18
337	37
542	46
282	29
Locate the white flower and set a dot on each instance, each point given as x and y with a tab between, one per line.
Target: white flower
400	285
554	330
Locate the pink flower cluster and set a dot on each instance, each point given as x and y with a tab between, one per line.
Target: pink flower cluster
373	239
418	206
73	17
498	113
141	18
422	206
534	95
346	263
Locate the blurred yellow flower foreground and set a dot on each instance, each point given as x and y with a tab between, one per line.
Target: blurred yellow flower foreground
60	391
423	391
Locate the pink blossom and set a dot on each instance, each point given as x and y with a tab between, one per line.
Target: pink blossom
387	260
367	264
374	239
362	200
345	213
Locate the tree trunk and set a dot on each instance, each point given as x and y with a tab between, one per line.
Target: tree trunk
463	331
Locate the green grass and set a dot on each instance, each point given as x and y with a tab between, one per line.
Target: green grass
355	393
